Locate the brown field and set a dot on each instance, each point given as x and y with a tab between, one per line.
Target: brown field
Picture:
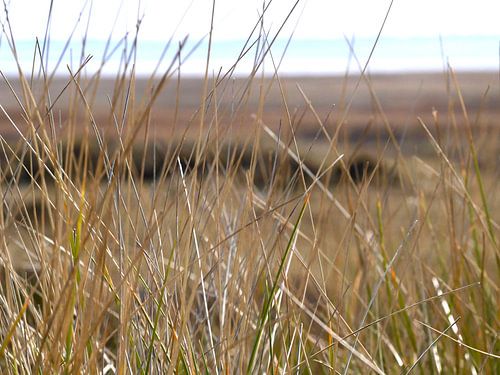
366	110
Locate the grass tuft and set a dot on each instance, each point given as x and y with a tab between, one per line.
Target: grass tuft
230	224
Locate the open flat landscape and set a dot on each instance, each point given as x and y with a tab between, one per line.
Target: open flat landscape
360	104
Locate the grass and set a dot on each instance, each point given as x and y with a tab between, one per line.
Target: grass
208	251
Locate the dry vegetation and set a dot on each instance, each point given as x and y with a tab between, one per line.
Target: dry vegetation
243	238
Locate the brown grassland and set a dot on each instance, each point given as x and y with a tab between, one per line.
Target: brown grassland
261	224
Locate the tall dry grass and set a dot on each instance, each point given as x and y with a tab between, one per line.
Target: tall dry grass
123	250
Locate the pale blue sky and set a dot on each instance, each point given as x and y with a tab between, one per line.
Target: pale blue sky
316	19
410	39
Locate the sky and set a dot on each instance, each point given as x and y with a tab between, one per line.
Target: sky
234	19
317	19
